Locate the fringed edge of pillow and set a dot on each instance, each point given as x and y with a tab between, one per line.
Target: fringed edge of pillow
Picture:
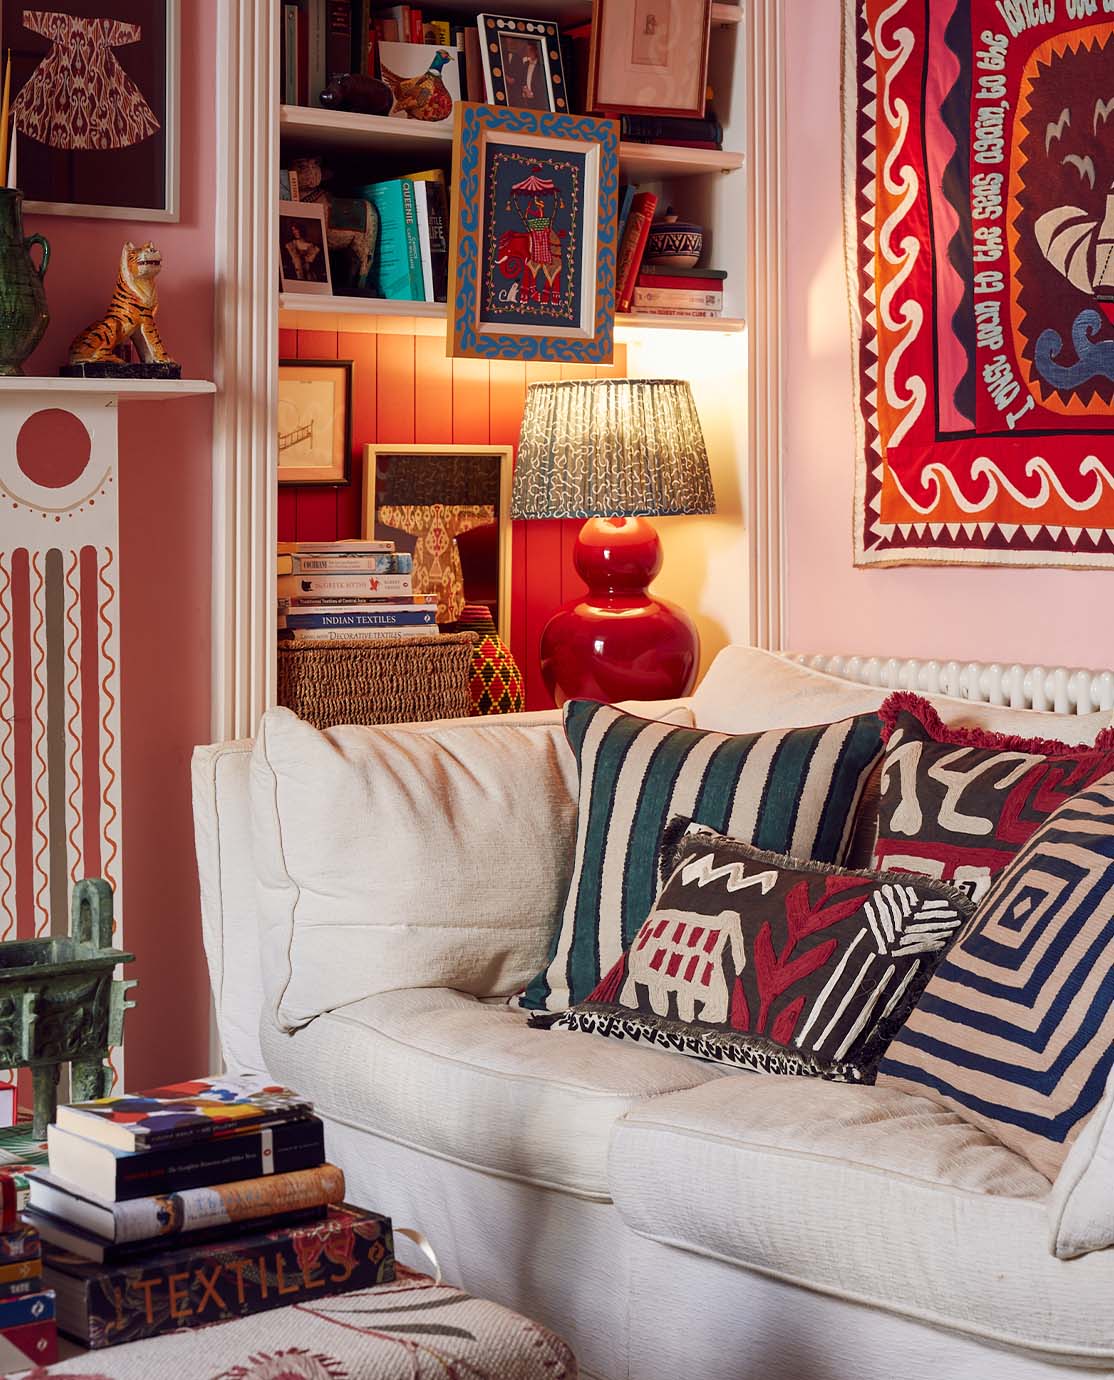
908	702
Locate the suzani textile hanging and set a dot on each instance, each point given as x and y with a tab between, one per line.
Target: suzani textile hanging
979	184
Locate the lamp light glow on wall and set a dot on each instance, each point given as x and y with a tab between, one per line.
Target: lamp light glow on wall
614	452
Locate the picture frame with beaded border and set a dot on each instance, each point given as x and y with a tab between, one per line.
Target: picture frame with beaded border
497	33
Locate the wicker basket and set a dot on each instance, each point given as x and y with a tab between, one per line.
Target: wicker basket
394	680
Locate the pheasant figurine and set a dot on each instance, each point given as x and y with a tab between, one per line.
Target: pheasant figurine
421	98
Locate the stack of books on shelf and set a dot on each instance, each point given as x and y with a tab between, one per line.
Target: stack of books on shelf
193	1204
27	1324
350	590
680	131
659	289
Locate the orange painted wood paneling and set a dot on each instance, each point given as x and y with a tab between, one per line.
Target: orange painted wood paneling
395	395
471	404
362	349
506	395
433	391
316	518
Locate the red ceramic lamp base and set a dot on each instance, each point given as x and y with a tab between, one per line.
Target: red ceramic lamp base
619	641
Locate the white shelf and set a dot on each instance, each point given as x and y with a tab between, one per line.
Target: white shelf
436	311
386	134
132	390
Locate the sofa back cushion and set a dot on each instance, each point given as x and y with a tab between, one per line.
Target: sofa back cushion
390	858
789	790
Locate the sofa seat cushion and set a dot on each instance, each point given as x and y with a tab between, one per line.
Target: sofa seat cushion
470	1081
867	1193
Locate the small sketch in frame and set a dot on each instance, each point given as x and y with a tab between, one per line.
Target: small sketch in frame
303	252
449	505
649	57
94	100
314	421
522	63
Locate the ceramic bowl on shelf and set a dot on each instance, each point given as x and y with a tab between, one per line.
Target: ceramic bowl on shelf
677	243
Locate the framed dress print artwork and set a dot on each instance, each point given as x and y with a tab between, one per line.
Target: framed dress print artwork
649	57
532	249
95	106
450	507
314	421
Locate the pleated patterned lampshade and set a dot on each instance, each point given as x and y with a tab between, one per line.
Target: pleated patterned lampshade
611	448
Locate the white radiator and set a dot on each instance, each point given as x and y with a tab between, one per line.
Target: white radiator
1058	689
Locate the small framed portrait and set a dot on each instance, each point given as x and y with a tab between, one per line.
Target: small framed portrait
94	103
303	250
449	506
649	57
522	62
532	264
314	421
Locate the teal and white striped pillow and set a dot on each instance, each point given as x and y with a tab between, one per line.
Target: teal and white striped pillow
792	790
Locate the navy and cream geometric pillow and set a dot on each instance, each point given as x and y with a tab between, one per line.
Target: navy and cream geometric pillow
764	962
1015	1029
789	790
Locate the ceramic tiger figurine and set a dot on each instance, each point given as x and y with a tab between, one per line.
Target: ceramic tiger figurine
130	316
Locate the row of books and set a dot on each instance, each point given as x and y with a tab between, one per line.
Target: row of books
350	591
660	289
28	1329
192	1204
411	261
324	41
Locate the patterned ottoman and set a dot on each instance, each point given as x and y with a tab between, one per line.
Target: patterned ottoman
412	1329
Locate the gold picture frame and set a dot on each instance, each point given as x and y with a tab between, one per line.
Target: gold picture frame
463	575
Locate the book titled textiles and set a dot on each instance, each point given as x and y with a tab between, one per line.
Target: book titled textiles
364	616
176	1112
103	1305
194	1209
117	1175
356	634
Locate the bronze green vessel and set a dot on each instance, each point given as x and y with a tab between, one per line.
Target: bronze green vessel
23	313
61	1003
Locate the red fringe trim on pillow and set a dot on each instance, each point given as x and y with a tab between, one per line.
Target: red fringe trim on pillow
905	701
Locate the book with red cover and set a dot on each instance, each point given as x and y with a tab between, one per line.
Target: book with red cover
663	280
36	1341
633	247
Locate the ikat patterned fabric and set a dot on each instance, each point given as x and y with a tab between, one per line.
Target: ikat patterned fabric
958	803
1015	1029
767	963
789	790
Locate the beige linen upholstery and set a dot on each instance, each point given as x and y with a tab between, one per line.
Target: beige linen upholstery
747	690
868	1193
473	1083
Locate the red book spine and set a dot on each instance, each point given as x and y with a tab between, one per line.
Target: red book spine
416	35
665	280
633	247
37	1341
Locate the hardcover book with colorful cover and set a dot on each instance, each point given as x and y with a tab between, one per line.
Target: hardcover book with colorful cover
18	1243
398	253
178	1112
104	1305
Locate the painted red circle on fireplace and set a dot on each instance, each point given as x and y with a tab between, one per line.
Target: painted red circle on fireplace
52	448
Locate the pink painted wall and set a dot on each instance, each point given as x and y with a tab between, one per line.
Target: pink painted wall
1046	616
164	569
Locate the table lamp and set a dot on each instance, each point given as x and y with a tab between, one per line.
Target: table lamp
614	452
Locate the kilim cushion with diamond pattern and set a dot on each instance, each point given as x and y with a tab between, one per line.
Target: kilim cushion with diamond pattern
1015	1029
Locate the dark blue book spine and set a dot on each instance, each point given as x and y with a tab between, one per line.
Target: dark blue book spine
30	1308
278	1150
417	617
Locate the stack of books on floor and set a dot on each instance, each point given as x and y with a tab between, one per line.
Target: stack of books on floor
27	1325
341	591
192	1204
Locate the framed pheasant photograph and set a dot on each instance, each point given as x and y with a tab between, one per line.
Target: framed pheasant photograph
424	79
94	102
532	266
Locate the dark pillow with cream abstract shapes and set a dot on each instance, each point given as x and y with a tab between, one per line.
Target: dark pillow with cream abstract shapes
958	803
763	962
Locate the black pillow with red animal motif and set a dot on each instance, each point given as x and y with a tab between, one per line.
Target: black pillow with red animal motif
774	964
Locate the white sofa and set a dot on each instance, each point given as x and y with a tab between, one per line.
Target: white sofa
668	1218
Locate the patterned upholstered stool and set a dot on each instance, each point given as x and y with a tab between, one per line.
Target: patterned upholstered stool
412	1329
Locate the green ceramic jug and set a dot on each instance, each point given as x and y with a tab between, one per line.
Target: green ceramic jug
23	313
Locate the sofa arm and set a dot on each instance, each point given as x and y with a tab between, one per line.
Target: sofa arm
391	858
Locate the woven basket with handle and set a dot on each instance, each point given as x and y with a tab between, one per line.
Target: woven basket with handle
393	680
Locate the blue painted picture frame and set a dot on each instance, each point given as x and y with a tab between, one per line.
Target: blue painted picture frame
533	244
